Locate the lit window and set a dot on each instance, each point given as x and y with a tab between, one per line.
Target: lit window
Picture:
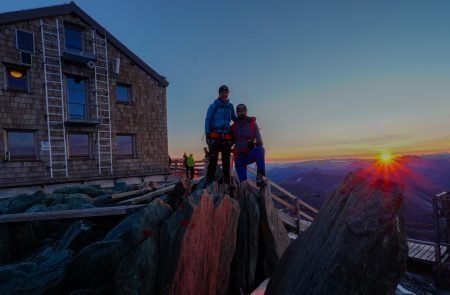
123	92
77	94
79	145
125	145
21	145
25	41
16	78
73	39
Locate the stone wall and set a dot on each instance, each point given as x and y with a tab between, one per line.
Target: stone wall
145	118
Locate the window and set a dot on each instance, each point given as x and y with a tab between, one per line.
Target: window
123	93
73	39
79	145
77	95
125	145
21	145
16	78
24	41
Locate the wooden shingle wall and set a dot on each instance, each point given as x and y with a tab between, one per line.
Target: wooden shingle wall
145	117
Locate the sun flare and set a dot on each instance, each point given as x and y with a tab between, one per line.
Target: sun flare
386	157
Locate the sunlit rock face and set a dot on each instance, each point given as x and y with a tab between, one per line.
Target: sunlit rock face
356	245
197	245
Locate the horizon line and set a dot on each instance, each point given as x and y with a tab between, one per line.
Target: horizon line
346	157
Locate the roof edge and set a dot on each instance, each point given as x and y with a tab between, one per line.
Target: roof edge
72	7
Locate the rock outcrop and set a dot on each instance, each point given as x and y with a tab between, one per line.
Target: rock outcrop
356	245
192	240
197	245
126	260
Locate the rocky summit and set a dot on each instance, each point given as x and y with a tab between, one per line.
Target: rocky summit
356	244
198	239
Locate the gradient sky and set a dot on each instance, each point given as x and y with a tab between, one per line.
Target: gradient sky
324	78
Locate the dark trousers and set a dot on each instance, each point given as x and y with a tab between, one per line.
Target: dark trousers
191	172
214	150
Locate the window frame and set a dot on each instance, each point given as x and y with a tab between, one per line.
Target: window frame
86	97
8	87
17	41
133	146
26	158
89	144
129	91
73	28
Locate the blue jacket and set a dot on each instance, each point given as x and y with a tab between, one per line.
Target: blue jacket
220	114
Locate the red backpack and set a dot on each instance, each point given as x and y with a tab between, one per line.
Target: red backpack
252	121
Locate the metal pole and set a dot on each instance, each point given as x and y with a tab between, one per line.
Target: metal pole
299	223
437	245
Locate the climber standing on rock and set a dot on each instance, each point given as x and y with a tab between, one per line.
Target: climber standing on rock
185	166
248	146
218	134
191	165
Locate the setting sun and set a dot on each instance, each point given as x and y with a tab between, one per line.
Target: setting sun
386	158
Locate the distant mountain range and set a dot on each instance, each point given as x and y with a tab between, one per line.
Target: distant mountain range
422	177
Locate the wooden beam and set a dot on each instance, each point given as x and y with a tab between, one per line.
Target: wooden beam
289	206
283	202
285	218
148	196
130	193
69	214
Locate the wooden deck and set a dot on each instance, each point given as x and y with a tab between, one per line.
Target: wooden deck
425	251
417	250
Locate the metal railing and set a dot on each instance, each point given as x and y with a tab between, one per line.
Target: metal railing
177	167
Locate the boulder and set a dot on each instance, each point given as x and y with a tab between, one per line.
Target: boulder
90	190
68	201
176	197
75	236
197	245
22	202
102	199
356	244
5	244
42	275
126	260
94	266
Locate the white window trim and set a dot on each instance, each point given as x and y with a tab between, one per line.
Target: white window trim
35	144
74	27
80	157
17	41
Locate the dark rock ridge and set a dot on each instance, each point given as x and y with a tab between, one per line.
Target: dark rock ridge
356	244
261	240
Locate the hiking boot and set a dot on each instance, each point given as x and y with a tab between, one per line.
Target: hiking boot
232	186
260	181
